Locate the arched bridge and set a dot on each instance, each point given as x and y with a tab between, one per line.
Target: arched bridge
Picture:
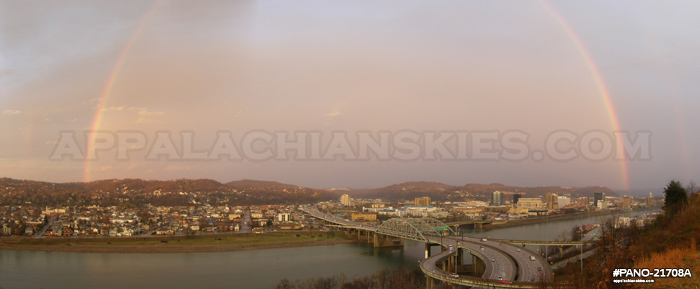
498	258
418	229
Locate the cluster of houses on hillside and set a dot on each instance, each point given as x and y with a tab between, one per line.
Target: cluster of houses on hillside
150	220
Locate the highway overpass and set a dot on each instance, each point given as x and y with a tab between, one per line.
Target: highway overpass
506	258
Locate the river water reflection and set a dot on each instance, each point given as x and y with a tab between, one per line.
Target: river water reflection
239	269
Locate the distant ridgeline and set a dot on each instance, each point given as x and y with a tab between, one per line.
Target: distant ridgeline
179	192
245	192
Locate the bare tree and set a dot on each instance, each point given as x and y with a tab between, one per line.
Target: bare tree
692	188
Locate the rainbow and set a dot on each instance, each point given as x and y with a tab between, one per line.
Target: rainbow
600	84
106	92
602	89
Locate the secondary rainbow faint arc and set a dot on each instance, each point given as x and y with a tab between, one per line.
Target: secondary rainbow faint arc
602	88
106	92
604	93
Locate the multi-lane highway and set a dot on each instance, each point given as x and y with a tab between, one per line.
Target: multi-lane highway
503	262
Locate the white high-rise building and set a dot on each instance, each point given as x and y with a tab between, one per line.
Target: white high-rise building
563	201
345	200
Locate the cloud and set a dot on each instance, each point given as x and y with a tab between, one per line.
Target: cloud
113	108
144	115
334	113
150	113
179	168
102	169
12	112
124	108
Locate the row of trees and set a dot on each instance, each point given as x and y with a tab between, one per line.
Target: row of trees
403	278
625	247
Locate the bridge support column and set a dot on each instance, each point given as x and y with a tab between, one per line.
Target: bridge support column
460	258
429	282
450	264
385	241
478	265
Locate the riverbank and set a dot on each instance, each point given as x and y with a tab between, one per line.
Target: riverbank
177	244
515	223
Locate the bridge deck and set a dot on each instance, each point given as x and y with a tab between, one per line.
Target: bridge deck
498	255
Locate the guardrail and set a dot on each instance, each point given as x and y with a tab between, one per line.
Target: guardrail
463	280
469	280
529	242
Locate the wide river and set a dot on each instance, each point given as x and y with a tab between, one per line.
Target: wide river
238	269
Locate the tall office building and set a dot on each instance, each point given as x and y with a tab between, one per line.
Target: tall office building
563	201
552	201
626	202
599	198
516	197
496	198
345	200
424	201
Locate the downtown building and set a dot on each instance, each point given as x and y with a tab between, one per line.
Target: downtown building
599	201
345	200
424	201
496	198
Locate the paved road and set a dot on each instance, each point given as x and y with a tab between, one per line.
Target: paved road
527	268
41	233
247	222
576	259
509	261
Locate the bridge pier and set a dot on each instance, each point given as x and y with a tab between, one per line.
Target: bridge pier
459	267
364	235
478	265
386	241
427	249
429	282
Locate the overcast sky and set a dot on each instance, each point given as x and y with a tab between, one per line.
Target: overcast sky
349	66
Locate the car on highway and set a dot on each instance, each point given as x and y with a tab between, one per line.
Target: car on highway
532	278
493	260
505	282
451	248
539	268
500	276
453	275
518	250
484	240
482	248
532	258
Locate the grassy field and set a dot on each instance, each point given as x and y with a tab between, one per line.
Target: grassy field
221	239
220	242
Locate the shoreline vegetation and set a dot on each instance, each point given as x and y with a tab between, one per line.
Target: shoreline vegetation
177	244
